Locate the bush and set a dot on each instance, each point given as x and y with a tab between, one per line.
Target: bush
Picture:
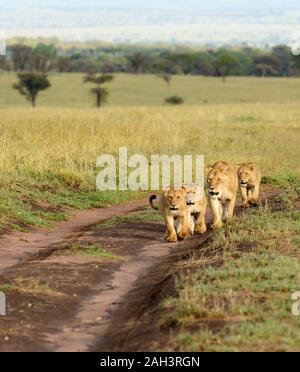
174	100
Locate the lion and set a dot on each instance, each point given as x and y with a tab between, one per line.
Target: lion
172	206
222	182
196	205
249	176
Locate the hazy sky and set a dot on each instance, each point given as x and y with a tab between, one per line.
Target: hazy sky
200	4
216	22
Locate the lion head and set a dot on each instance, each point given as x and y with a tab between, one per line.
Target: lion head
175	198
217	180
245	174
193	194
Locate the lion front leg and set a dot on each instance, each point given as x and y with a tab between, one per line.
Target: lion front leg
192	224
229	211
255	196
245	199
171	235
216	209
184	222
200	227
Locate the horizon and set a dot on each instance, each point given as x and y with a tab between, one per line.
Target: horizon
190	22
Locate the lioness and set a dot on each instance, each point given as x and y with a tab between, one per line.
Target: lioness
222	182
196	205
249	182
172	206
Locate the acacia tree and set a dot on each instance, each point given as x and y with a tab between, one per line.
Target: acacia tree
99	91
138	62
30	84
225	64
165	77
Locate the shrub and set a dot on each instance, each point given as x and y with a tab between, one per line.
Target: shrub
174	100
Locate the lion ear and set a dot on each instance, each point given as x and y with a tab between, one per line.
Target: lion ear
209	168
167	188
224	170
183	190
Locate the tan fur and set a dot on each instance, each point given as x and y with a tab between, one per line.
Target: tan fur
172	206
249	183
196	205
222	183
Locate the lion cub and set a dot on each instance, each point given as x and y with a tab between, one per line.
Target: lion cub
222	182
249	182
172	206
196	205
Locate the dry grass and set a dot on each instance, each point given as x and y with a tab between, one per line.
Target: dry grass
50	155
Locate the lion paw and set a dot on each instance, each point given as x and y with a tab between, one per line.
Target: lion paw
171	238
201	229
246	204
217	225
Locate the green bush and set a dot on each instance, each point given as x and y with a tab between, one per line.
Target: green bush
174	100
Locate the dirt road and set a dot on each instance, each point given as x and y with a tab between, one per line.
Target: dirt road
64	296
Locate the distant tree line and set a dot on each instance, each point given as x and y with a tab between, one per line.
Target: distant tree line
222	62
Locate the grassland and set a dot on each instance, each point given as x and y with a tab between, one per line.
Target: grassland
68	90
48	155
47	163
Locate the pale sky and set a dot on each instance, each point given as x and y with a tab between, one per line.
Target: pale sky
200	4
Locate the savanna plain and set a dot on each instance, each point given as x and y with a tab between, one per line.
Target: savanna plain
238	295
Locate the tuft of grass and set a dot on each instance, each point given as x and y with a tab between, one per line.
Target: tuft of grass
94	251
29	285
142	216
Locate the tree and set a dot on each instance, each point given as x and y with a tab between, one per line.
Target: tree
283	55
21	56
138	62
225	64
43	57
267	65
99	91
165	77
30	84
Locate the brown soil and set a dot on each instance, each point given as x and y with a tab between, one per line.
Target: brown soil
59	301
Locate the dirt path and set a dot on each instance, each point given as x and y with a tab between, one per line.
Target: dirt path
16	247
80	302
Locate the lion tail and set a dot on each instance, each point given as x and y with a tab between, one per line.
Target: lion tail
152	198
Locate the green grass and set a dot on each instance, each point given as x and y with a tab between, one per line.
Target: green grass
94	251
239	297
147	90
29	285
142	216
